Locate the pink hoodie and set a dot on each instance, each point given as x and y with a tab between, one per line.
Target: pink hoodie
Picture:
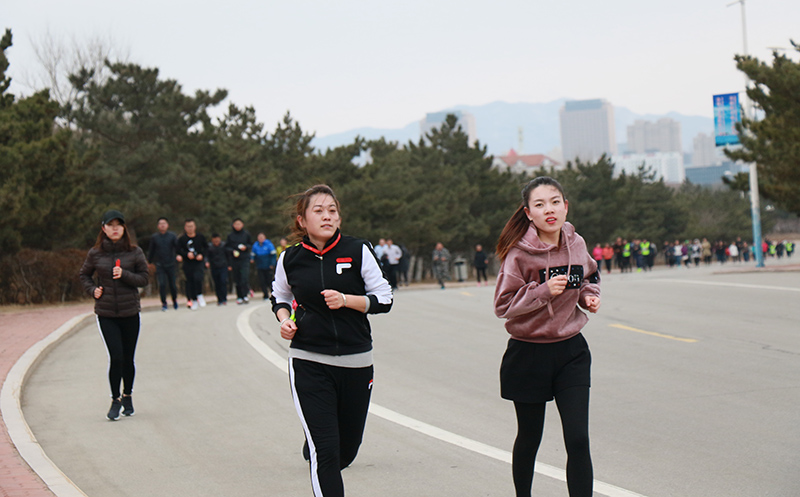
523	298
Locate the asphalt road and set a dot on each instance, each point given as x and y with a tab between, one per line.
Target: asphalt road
696	392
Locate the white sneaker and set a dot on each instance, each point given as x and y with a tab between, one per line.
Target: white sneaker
201	300
194	306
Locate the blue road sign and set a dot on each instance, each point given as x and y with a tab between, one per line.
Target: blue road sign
726	114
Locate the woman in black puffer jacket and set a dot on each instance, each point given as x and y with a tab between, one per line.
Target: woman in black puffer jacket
114	270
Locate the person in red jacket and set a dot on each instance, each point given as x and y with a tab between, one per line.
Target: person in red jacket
545	276
114	270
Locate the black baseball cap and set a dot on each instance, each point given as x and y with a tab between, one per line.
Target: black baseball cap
111	215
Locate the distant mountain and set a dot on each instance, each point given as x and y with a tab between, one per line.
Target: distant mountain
498	127
402	135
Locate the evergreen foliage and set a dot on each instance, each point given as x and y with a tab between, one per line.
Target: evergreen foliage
43	181
773	142
139	143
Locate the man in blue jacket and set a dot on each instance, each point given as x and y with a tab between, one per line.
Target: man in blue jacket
264	256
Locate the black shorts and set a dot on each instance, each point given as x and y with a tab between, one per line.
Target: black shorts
536	372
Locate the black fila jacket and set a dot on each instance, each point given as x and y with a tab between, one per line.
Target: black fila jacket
345	264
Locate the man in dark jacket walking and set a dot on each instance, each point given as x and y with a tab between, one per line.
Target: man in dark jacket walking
163	245
238	246
218	262
192	248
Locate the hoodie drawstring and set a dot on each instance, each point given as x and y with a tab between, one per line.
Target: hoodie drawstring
547	270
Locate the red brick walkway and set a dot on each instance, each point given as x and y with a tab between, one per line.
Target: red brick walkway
19	331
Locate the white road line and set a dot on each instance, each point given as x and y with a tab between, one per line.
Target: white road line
734	285
243	324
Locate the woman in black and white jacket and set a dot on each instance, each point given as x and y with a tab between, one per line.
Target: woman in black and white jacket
335	281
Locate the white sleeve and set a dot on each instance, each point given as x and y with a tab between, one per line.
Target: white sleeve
374	283
281	291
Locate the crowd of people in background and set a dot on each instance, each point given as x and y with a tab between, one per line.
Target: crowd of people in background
238	251
195	254
626	255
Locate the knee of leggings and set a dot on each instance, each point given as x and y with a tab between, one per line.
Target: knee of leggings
577	443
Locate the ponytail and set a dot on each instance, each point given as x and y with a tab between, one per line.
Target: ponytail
514	230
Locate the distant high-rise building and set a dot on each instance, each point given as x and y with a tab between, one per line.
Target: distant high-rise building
436	119
712	175
587	130
705	151
666	165
663	135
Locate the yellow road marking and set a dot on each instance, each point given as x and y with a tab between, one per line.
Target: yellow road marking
653	333
467	294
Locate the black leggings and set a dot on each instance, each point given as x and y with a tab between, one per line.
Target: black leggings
481	271
120	335
573	407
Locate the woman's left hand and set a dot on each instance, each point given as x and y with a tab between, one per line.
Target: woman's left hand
334	299
592	303
116	273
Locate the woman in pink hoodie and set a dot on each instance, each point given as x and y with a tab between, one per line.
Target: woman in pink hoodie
546	274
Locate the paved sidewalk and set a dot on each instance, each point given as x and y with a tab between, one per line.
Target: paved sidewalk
20	329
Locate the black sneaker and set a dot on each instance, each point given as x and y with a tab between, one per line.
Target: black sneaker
113	413
127	404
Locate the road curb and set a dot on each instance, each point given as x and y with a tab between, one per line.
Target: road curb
11	407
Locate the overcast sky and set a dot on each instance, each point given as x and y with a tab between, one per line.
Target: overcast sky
342	64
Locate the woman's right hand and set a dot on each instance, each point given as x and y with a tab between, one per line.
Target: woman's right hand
557	284
98	292
288	329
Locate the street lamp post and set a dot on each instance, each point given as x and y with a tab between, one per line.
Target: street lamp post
755	203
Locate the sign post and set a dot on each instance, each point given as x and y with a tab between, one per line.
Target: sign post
726	114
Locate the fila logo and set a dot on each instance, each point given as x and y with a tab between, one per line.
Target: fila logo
343	263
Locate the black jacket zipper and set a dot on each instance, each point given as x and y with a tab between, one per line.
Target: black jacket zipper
330	311
114	282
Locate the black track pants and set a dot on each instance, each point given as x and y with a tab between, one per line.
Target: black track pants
332	403
166	279
573	407
120	335
241	277
194	279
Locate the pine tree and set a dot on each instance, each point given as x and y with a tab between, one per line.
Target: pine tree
773	142
43	186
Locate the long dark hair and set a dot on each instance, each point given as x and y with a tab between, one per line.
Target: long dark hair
518	224
301	204
126	243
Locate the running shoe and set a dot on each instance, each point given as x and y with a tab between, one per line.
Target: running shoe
240	301
127	405
113	413
194	306
164	308
175	305
201	300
